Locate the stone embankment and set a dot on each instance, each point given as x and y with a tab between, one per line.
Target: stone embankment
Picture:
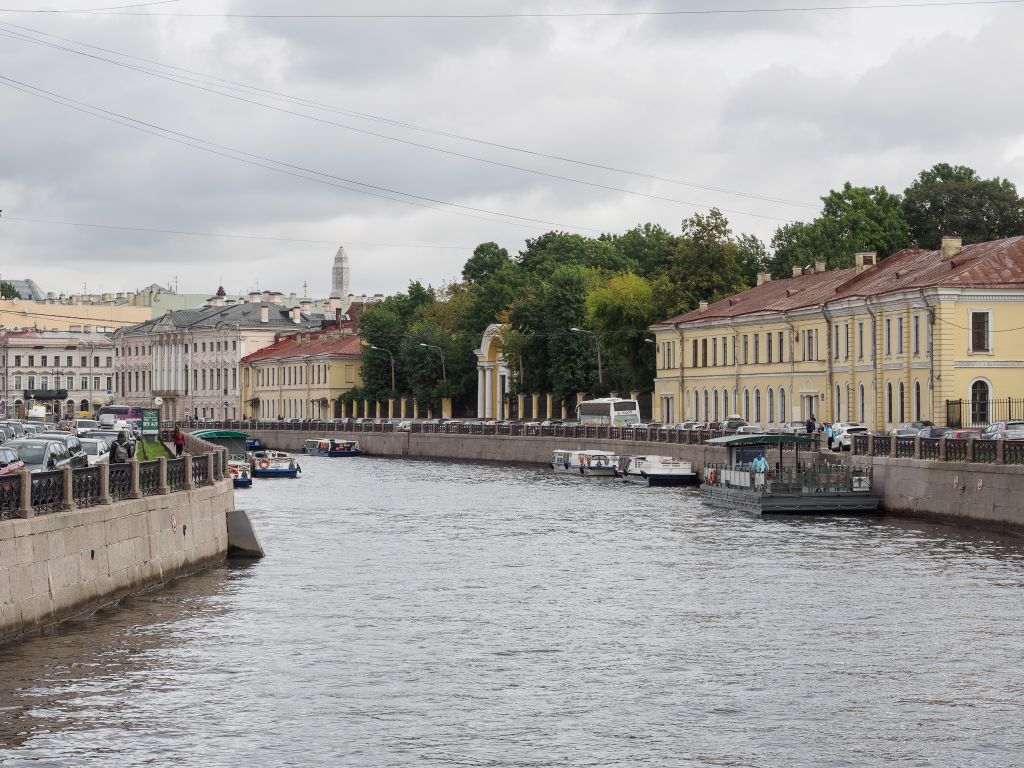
75	540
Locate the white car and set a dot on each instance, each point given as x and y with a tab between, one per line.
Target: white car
750	429
81	426
97	451
842	435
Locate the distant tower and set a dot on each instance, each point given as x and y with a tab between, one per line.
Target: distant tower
340	274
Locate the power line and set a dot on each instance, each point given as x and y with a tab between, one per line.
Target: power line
17	36
5	217
222	82
524	15
287	169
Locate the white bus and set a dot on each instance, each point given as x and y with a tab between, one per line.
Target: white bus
608	411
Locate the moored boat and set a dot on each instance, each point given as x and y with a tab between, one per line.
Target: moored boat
274	464
747	482
332	446
241	472
586	463
656	470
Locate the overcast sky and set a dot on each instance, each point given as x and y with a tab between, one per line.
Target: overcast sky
782	106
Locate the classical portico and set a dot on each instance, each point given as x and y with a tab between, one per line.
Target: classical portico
493	376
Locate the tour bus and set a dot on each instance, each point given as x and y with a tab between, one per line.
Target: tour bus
608	411
122	412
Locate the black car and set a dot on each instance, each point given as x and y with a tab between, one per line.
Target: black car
41	455
934	432
76	452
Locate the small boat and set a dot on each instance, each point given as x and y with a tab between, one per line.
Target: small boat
332	446
241	471
586	463
274	464
253	443
656	470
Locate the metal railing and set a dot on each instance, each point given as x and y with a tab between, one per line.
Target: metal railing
812	479
47	491
149	477
10	496
200	469
176	474
85	486
120	481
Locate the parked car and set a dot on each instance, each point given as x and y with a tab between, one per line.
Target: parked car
841	440
964	434
104	435
1015	433
836	429
904	431
1002	426
916	425
72	443
934	432
732	423
40	455
96	451
749	429
9	461
16	426
794	427
81	426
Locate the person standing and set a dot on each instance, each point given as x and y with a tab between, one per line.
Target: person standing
810	425
179	442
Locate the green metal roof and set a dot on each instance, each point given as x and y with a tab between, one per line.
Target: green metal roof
223	434
762	439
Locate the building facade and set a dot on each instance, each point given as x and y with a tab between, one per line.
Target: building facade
191	358
302	375
493	376
65	373
922	335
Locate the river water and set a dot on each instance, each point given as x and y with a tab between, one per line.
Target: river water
418	613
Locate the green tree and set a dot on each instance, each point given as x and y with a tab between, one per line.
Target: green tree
487	260
752	258
793	245
572	357
860	219
545	254
620	312
705	266
8	291
649	247
953	200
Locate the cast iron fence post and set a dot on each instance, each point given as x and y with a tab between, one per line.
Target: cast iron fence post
135	491
25	508
68	505
189	485
164	487
105	483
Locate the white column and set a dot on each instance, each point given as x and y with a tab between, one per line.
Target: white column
489	393
480	392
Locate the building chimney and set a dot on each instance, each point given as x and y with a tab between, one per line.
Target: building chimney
306	305
951	246
865	260
702	307
797	271
296	315
264	314
276	297
333	305
764	277
819	266
255	297
215	301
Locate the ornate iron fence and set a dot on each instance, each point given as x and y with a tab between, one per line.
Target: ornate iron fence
120	481
904	447
963	414
930	447
880	445
1013	452
85	486
149	477
176	474
10	496
984	451
861	444
47	491
200	470
956	449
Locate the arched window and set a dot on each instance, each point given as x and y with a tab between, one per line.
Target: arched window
84	405
981	394
903	406
746	405
782	406
917	401
725	402
888	402
757	406
863	410
706	416
714	402
770	410
696	405
839	404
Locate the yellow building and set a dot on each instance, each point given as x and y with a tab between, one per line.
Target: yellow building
302	375
922	335
57	315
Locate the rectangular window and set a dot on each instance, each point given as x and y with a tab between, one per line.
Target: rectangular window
110	383
17	360
234	378
846	341
44	382
782	347
42	362
56	382
725	350
860	341
96	382
899	335
85	362
31	361
204	378
84	382
110	362
768	349
17	381
704	353
815	348
746	349
835	349
694	353
916	341
888	336
31	382
69	361
980	333
757	348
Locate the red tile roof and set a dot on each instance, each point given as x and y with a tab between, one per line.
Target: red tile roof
311	345
994	265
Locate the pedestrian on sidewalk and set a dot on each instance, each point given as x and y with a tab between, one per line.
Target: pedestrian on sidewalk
179	442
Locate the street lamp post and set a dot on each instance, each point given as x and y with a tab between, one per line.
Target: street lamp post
597	341
444	373
381	349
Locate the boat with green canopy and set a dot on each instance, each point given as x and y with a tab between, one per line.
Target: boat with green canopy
751	481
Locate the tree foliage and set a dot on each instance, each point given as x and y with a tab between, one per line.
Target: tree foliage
8	291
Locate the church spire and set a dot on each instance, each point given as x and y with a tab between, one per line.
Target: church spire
340	274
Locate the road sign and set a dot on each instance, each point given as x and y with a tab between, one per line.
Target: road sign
151	421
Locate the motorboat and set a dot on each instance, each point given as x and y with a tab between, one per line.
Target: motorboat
586	463
268	463
656	470
241	471
332	446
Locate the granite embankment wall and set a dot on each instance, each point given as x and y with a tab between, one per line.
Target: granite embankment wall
514	450
971	492
55	566
991	494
